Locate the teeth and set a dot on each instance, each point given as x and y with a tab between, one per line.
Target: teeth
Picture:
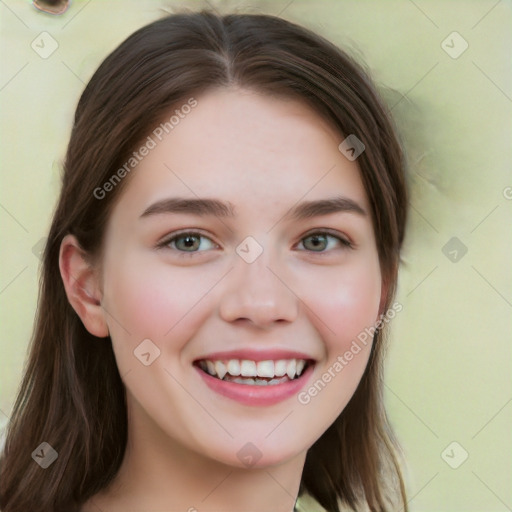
291	369
259	382
211	368
243	381
280	368
234	367
265	369
277	381
220	369
247	368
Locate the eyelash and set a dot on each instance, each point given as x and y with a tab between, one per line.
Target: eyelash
164	244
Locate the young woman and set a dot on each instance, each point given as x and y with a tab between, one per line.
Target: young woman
217	282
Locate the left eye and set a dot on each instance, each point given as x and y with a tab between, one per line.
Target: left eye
320	240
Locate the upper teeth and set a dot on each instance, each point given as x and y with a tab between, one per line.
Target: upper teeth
247	368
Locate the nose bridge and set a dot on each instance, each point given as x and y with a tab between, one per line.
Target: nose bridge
256	291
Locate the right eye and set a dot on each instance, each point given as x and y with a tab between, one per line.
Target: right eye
185	242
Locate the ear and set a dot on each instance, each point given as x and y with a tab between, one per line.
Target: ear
82	286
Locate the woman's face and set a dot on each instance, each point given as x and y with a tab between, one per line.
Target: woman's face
263	275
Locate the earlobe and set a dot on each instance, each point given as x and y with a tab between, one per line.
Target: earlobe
82	286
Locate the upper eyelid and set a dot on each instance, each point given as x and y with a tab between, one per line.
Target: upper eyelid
330	232
171	236
166	240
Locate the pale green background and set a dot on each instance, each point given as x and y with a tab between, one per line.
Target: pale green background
448	371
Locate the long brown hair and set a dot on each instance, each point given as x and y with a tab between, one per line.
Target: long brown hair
71	395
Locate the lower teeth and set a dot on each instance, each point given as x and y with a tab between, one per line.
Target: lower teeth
256	381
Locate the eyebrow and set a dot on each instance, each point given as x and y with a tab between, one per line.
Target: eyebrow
204	207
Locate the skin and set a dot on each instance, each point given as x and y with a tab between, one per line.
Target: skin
263	155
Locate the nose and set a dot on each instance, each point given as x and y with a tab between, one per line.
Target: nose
258	293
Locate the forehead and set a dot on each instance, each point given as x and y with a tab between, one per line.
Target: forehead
247	148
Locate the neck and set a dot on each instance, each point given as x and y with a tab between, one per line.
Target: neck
159	473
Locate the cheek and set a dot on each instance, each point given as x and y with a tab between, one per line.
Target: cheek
151	299
343	305
346	303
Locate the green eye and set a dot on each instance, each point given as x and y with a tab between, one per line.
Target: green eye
187	242
319	241
191	242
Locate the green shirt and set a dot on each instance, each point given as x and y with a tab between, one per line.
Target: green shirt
307	503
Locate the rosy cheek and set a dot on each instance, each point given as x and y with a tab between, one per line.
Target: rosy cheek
151	299
345	306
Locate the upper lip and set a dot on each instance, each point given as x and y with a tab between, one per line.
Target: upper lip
256	355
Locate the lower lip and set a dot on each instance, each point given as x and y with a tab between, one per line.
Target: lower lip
248	394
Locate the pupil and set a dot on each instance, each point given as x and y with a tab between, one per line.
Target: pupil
317	240
189	241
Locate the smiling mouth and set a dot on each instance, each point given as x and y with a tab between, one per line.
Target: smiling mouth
261	373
